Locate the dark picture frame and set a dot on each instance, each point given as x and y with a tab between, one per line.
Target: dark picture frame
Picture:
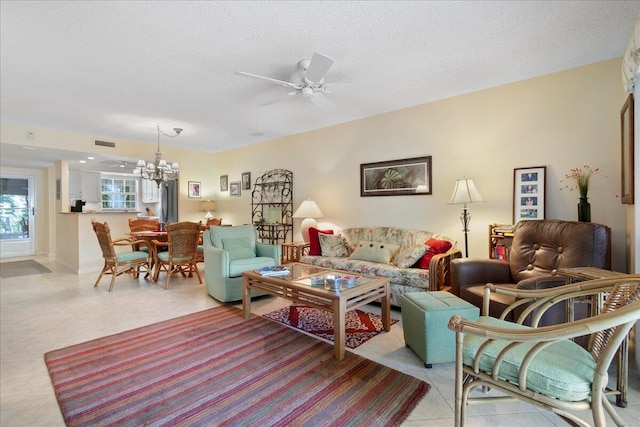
246	180
627	140
224	182
234	188
406	177
529	189
195	189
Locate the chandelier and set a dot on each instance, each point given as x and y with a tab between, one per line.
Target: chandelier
159	170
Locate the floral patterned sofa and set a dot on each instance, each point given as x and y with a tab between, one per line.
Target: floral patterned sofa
412	267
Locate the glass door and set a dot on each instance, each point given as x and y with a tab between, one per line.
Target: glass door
17	212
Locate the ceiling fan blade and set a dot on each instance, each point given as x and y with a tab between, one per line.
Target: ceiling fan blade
318	67
278	99
278	82
322	102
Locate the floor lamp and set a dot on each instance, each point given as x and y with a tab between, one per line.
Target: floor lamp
465	192
307	210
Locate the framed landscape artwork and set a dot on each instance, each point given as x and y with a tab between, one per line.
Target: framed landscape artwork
528	193
408	177
626	130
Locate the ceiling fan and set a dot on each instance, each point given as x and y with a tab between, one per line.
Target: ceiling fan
307	80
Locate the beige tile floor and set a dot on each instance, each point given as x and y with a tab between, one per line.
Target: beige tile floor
44	312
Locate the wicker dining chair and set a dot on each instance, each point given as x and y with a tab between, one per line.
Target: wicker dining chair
144	224
117	263
543	366
181	253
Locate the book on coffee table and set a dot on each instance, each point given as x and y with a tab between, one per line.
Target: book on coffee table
277	270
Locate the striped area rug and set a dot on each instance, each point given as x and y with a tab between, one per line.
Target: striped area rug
214	368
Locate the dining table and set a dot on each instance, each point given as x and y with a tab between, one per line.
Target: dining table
150	236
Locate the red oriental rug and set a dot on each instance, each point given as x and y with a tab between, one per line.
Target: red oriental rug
216	368
359	326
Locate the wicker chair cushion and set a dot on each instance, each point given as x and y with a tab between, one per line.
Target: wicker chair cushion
131	256
238	248
551	372
164	256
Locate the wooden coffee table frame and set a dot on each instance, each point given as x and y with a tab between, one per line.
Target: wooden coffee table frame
337	303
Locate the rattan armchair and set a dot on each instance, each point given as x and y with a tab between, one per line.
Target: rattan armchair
117	263
181	255
144	224
543	366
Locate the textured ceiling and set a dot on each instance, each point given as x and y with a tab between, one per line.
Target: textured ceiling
116	69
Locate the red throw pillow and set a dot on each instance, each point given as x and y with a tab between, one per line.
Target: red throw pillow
435	247
314	241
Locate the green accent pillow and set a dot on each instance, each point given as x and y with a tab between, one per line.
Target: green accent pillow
333	246
238	248
409	256
374	252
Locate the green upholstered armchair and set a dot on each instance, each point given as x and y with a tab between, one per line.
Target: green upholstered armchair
542	365
230	251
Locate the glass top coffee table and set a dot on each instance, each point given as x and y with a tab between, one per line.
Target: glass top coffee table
303	283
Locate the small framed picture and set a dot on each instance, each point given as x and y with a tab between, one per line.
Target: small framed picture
528	193
234	188
224	183
246	181
195	188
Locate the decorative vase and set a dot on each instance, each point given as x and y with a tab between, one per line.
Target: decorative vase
584	210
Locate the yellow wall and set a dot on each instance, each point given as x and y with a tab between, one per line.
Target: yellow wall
561	121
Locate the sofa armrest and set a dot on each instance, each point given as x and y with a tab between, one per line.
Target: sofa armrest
470	272
270	251
439	270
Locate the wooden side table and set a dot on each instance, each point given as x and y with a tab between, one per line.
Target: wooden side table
579	274
292	251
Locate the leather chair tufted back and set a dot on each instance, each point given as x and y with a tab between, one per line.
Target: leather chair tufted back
541	247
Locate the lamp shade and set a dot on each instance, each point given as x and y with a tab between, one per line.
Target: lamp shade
465	192
308	209
207	206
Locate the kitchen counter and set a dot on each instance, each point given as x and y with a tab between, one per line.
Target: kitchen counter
77	246
101	212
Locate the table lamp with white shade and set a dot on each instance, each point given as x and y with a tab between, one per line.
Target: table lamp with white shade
208	206
308	210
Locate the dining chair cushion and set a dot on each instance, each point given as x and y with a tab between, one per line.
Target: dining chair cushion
551	372
164	256
131	256
238	248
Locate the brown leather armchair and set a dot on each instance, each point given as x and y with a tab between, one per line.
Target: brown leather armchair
539	248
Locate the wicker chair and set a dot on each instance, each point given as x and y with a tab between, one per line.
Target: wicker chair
117	263
181	255
543	366
143	224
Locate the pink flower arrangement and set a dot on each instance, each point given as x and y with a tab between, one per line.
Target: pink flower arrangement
579	178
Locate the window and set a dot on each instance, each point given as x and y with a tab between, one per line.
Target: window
119	193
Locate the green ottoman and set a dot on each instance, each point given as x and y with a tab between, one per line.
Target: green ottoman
425	316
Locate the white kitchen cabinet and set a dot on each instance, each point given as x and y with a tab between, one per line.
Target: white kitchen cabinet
75	185
150	192
84	186
90	187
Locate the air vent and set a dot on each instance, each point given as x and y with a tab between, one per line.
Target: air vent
106	144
